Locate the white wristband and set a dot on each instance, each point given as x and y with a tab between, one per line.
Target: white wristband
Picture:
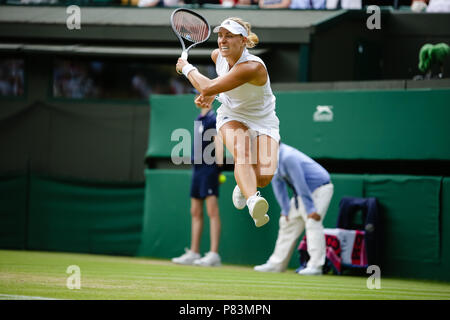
188	68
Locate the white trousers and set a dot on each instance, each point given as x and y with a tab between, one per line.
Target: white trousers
290	231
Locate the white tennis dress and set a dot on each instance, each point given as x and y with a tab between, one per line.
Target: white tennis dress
249	104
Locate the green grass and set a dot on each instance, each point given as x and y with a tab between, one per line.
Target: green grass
43	274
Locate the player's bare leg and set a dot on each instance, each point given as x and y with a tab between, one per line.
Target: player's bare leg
267	150
237	139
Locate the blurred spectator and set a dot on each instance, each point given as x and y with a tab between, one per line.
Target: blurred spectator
149	3
307	4
114	79
241	3
438	6
344	4
12	77
129	2
141	86
274	4
246	2
292	4
39	1
173	3
228	3
74	80
419	5
201	2
179	86
177	3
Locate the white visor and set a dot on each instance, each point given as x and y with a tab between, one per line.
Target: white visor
232	26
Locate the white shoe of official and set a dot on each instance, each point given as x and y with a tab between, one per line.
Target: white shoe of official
310	271
258	207
211	259
187	258
267	267
238	198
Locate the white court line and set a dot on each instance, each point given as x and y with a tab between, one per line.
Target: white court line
17	297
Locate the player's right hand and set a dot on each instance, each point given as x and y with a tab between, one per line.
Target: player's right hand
180	64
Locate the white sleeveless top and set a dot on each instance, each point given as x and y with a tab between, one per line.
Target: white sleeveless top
248	100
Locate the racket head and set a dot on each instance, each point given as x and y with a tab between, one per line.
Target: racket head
191	26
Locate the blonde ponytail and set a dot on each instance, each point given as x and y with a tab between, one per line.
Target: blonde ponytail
252	39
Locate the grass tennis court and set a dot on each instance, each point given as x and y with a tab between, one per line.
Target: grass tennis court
30	274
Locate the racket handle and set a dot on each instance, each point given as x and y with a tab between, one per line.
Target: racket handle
184	55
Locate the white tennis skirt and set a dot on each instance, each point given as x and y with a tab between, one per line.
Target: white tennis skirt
268	125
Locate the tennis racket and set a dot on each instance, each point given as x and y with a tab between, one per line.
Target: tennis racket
191	26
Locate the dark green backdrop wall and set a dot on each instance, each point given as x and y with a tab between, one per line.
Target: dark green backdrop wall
41	213
415	226
152	218
75	139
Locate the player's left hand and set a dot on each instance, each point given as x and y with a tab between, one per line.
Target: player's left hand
204	101
180	64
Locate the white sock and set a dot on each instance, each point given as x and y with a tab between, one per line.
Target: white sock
251	197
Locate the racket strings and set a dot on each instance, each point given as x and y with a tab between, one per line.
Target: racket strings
191	27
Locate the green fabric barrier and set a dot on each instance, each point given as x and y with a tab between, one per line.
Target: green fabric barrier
436	270
13	212
167	221
395	124
409	208
386	125
410	217
172	115
168	113
166	224
90	217
445	229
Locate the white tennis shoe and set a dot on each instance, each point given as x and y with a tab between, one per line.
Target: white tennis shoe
258	207
187	258
310	271
238	198
267	267
211	259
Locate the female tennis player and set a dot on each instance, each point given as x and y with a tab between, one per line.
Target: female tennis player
246	119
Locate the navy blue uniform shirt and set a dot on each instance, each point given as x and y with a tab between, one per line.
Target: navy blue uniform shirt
203	151
205	175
